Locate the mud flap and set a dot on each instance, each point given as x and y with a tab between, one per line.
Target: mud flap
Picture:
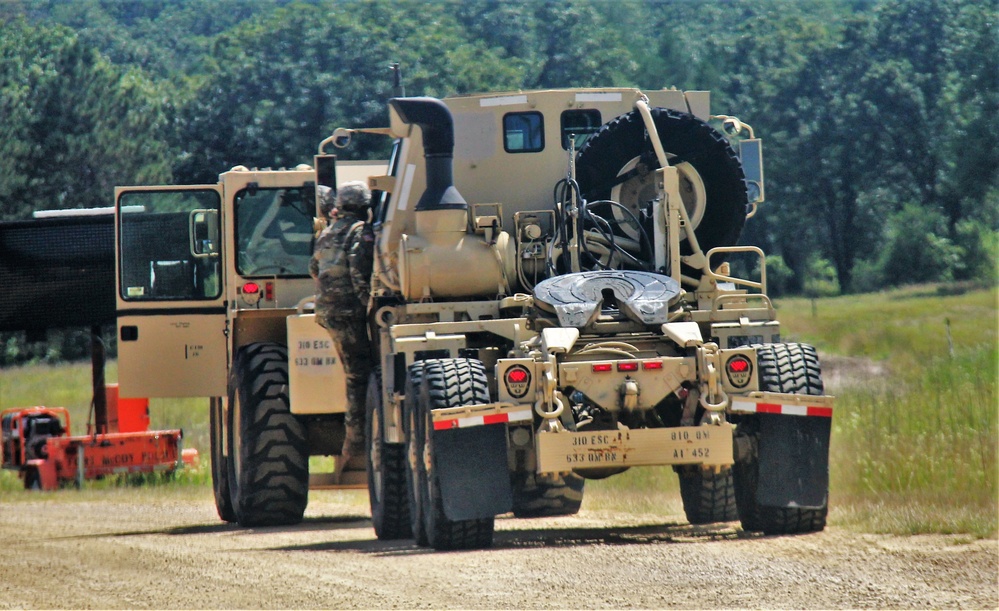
471	466
793	461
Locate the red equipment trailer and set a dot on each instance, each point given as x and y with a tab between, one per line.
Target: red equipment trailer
37	443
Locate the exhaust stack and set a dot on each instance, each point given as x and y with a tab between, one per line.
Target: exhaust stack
435	120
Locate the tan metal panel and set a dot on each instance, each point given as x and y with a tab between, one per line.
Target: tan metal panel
173	355
315	372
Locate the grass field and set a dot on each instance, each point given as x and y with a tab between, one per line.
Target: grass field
914	434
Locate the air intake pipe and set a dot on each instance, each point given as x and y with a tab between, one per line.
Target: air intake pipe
435	120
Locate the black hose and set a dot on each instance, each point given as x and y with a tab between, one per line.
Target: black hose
644	241
563	193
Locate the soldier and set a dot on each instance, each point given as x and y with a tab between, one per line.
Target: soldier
341	265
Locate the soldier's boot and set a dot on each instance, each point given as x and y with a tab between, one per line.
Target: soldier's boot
352	456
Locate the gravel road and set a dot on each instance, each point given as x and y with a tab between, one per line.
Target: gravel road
167	550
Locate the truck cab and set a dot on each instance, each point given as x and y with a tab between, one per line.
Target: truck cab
207	271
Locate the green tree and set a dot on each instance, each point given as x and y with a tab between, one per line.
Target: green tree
775	69
970	103
280	83
163	37
928	87
555	44
74	126
869	113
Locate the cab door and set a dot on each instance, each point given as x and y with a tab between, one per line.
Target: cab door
171	304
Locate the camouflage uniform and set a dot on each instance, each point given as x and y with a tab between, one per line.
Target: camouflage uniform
341	265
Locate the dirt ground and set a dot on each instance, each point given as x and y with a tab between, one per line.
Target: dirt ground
165	550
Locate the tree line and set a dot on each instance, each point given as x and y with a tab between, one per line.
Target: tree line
880	118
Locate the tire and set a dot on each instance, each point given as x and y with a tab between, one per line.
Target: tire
386	470
220	466
414	452
784	368
32	479
713	184
540	496
708	497
449	383
268	451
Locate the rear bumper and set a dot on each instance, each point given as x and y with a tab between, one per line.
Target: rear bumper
688	445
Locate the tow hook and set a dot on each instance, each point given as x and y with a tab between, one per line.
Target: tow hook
713	399
629	394
549	417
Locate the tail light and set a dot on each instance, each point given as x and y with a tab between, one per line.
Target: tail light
517	380
739	370
250	293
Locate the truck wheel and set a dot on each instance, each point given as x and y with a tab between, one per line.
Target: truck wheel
220	467
618	163
539	496
414	452
449	383
708	497
386	470
268	451
784	368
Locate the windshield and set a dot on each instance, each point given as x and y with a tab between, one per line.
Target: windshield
274	231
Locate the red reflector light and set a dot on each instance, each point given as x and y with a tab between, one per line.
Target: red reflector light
269	291
601	367
251	287
516	375
627	366
652	365
738	365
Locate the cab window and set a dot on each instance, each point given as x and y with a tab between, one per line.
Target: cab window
523	132
170	245
274	231
580	125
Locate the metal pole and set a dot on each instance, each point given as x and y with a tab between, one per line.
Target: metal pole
81	466
100	400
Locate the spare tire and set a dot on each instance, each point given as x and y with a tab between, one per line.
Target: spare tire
618	163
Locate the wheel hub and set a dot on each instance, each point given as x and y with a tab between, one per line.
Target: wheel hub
642	188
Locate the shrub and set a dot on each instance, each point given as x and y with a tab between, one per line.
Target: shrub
916	249
980	246
820	278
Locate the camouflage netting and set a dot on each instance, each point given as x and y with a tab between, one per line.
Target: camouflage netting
57	273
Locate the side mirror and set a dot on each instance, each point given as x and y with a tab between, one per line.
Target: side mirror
325	170
204	231
751	154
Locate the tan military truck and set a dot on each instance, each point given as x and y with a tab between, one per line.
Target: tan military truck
211	282
550	302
